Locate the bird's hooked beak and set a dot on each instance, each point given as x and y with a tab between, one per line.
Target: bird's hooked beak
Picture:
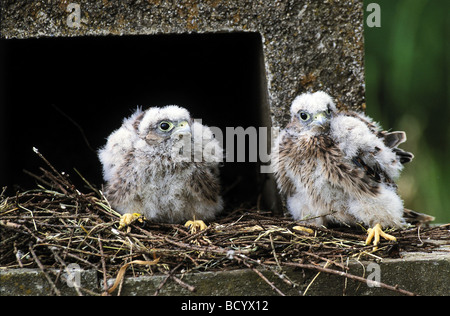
320	120
181	129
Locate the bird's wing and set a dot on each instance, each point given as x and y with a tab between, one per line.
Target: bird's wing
390	139
373	170
403	156
393	139
353	175
280	163
205	183
369	147
307	158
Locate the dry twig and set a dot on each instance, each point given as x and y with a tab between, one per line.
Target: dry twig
56	224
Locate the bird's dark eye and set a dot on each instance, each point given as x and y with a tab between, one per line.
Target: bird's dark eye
304	116
328	111
165	126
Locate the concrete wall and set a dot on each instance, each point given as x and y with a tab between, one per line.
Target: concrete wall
419	273
307	44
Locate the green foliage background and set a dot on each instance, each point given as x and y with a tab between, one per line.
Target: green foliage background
408	88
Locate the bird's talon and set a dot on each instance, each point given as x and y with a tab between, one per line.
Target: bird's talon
375	233
303	229
129	218
195	226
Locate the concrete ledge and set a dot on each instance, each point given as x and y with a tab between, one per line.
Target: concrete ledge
420	273
32	282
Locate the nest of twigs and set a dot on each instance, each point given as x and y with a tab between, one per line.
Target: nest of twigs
55	225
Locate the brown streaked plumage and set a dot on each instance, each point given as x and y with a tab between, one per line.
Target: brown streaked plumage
339	166
149	168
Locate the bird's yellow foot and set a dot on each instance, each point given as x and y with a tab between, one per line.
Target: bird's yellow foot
129	218
195	226
375	233
303	229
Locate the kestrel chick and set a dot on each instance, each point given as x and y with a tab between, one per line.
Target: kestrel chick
339	166
149	166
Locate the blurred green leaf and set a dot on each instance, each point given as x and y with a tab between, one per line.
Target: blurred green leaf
408	88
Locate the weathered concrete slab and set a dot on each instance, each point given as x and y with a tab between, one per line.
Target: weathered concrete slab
307	44
420	273
32	282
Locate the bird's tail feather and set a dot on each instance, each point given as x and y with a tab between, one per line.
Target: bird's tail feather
416	218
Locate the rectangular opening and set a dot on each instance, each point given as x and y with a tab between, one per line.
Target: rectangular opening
64	96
